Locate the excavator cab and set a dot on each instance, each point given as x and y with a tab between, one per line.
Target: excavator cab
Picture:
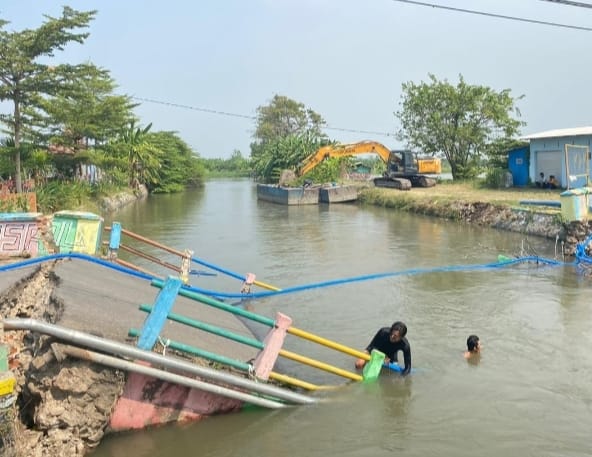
401	163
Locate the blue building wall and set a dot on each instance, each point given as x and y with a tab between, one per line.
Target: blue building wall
518	164
548	155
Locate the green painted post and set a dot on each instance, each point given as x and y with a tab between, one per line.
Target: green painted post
209	328
243	366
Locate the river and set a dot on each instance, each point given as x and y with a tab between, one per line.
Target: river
529	394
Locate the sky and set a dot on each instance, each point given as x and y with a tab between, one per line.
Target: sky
344	59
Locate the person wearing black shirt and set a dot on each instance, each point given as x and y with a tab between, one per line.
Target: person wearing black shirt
390	341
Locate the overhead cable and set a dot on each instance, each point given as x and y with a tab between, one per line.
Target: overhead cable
497	16
570	3
245	116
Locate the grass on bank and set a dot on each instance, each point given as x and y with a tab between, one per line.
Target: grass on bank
433	200
474	192
58	195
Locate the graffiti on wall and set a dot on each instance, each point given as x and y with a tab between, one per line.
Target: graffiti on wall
77	232
17	238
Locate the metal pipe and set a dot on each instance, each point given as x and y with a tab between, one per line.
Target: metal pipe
243	366
134	267
152	258
320	365
209	328
328	343
167	376
265	321
229	362
114	347
149	241
266	286
219	305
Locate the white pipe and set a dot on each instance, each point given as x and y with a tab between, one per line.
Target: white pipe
169	377
114	347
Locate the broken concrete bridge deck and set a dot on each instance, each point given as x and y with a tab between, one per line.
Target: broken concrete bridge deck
105	302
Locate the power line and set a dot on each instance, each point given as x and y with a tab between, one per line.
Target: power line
498	16
194	108
570	3
245	116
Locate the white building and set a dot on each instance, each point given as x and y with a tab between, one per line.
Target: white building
564	153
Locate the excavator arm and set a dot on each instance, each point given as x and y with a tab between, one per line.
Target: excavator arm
343	150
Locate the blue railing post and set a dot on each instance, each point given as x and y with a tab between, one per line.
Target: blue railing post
114	240
157	318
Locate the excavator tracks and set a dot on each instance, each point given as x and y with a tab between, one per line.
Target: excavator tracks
393	183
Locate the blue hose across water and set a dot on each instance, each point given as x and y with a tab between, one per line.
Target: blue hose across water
581	257
370	277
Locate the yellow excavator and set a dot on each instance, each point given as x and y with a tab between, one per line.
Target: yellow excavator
403	170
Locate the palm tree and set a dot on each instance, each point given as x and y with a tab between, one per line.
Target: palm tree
143	158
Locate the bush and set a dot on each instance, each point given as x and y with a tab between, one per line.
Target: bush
496	178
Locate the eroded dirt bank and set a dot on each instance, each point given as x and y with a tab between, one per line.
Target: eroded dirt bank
540	223
62	407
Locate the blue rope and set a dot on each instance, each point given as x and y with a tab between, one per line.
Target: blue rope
415	271
580	257
75	255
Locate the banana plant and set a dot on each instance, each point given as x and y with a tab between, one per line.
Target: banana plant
143	157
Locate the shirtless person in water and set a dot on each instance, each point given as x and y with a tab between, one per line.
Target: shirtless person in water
473	347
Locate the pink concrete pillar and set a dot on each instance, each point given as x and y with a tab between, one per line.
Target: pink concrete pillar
272	345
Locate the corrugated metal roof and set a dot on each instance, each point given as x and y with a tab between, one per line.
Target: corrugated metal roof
576	131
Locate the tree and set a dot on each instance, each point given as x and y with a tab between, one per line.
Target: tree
281	154
25	80
142	156
283	117
89	111
180	167
237	163
286	133
461	121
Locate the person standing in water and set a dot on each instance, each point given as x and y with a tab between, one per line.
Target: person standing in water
473	347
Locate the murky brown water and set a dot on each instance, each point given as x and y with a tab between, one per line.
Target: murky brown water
530	394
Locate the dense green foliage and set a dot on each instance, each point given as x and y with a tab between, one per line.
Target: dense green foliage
283	153
463	122
69	131
287	132
90	113
179	166
26	80
236	166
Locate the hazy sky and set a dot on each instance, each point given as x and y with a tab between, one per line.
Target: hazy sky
344	59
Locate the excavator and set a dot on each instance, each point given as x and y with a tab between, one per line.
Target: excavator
403	170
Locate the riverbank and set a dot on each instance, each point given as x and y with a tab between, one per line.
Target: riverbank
496	208
119	200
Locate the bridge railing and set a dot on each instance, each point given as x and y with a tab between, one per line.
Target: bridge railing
262	367
116	244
